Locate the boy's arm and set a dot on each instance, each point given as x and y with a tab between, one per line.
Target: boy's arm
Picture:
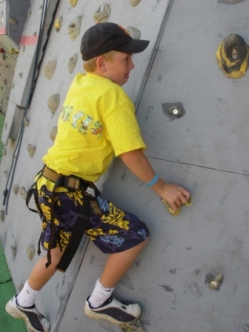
138	163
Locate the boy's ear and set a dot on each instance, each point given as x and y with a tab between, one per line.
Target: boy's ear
100	63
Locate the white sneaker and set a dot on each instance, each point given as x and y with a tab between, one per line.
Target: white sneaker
114	311
34	320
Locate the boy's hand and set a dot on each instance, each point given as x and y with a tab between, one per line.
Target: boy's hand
174	195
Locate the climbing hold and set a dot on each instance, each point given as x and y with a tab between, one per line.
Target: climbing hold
58	23
26	121
53	102
6	173
74	28
73	2
13	251
103	13
53	133
20	287
134	2
49	69
23	192
215	282
2	215
13	51
233	55
134	33
72	63
4	152
20	75
30	251
12	21
16	189
31	150
173	110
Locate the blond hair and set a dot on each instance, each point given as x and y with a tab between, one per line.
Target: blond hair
90	65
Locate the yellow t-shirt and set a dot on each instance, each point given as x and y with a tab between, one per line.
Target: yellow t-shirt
97	121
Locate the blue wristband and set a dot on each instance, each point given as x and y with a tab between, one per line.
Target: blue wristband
153	181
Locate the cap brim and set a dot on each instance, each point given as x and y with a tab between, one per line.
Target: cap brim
133	46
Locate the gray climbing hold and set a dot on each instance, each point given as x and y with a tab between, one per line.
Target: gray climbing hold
13	250
12	20
74	28
53	102
49	69
2	215
23	192
6	173
72	63
31	149
134	3
53	133
4	152
30	251
16	189
26	121
103	13
134	32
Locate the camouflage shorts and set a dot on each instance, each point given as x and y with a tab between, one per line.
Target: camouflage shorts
113	231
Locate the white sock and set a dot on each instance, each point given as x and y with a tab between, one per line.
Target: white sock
99	295
26	297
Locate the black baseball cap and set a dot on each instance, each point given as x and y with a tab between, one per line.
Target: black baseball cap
104	37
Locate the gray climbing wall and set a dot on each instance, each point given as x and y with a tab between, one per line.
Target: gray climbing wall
205	150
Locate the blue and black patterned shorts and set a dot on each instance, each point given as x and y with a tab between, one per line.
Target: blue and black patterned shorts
113	231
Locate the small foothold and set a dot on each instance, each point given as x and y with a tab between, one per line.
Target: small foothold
23	192
20	287
6	173
14	51
216	282
134	2
58	23
49	69
4	152
103	13
72	63
2	215
13	250
53	102
30	251
20	75
74	28
12	20
31	149
16	189
134	33
73	2
175	110
53	133
26	121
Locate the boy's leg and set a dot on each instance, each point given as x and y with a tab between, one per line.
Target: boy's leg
111	309
40	275
118	263
22	306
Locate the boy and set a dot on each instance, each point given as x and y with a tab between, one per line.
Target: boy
97	122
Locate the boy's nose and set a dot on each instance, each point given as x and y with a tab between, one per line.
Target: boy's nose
131	65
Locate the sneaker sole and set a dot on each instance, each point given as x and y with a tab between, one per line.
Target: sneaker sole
97	315
18	314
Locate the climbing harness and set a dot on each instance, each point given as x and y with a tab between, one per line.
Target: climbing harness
90	207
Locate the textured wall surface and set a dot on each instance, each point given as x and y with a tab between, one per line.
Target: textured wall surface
205	150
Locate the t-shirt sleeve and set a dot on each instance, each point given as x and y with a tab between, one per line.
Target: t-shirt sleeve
123	130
